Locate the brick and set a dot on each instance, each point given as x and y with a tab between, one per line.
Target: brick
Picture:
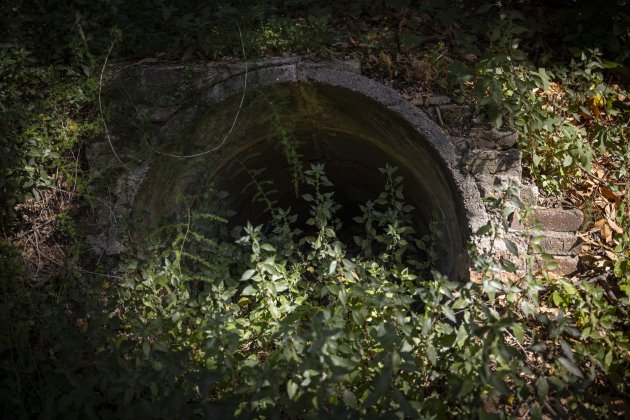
553	220
560	243
566	265
559	220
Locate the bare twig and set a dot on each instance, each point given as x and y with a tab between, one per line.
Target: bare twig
111	211
551	410
100	105
439	115
517	342
602	280
100	274
238	111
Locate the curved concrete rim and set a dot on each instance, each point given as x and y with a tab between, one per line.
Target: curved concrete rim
222	81
344	74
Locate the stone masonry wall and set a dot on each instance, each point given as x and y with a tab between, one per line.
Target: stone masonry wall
491	156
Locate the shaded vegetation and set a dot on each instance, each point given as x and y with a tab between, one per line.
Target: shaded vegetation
289	324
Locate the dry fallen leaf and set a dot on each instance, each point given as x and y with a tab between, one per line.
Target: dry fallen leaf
422	69
386	60
611	255
615	226
610	194
607	233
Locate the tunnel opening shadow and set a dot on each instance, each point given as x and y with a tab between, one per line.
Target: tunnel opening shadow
283	129
358	179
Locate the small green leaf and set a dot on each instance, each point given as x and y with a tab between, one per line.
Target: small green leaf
536	412
511	246
542	387
332	267
292	388
341	362
273	310
608	359
462	335
567	161
431	354
508	265
248	274
349	399
249	291
484	8
484	229
449	313
570	366
519	332
268	247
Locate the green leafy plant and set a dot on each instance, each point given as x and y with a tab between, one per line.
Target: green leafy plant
280	322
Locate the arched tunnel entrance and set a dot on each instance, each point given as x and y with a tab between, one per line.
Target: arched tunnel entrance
286	126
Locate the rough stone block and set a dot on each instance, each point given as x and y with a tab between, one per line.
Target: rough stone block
179	122
437	100
100	158
560	243
271	75
565	265
559	220
456	114
529	194
554	220
460	143
494	162
490	185
161	75
481	138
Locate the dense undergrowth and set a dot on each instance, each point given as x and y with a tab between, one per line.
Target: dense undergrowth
284	323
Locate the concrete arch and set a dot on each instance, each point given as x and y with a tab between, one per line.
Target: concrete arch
351	123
